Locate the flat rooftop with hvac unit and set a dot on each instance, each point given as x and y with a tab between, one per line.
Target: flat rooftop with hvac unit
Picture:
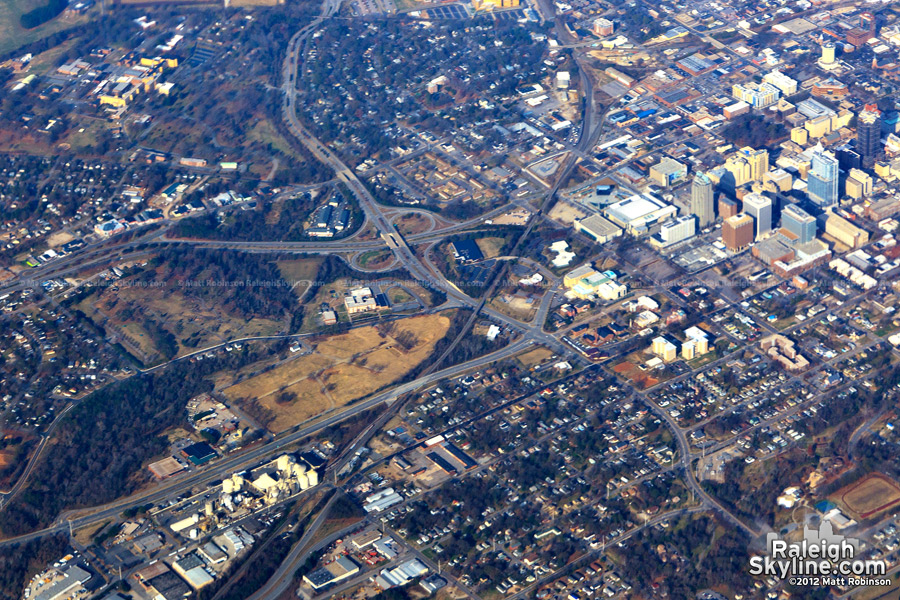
639	212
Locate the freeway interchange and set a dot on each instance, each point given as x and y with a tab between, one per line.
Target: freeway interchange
403	249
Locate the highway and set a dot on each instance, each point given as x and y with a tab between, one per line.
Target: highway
375	214
254	455
390	238
283	577
107	251
111	250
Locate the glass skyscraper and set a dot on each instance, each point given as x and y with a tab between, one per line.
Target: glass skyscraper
823	178
868	135
799	222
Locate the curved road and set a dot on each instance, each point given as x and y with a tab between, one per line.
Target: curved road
228	465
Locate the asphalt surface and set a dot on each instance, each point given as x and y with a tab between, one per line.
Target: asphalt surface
239	462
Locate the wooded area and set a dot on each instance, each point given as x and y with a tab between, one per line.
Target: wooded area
103	443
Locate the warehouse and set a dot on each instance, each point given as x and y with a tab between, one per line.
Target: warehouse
199	453
401	575
600	229
340	569
382	500
165	467
73	578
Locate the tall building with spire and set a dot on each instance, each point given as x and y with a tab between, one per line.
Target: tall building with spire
702	199
868	135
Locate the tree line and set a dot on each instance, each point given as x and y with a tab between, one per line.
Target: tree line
102	445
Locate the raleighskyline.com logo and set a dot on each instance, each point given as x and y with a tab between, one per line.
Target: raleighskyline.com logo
821	558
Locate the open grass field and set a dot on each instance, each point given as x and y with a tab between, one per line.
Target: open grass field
412	223
301	272
85	137
180	137
491	246
376	259
52	56
193	323
534	357
138	336
342	368
16	448
13	35
870	495
265	133
397	295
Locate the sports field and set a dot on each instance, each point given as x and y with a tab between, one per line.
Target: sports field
869	496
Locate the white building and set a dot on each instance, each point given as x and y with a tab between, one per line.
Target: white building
360	300
676	230
639	212
784	83
757	95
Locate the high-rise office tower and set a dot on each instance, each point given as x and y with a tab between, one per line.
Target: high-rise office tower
867	22
823	178
760	208
799	223
827	60
702	199
868	135
759	162
737	232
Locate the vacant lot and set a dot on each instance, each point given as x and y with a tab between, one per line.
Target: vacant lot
534	357
491	246
637	376
131	311
341	368
566	213
301	272
870	495
517	307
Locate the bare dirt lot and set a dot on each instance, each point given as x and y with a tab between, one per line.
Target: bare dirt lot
59	238
341	368
534	357
638	377
566	213
518	216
